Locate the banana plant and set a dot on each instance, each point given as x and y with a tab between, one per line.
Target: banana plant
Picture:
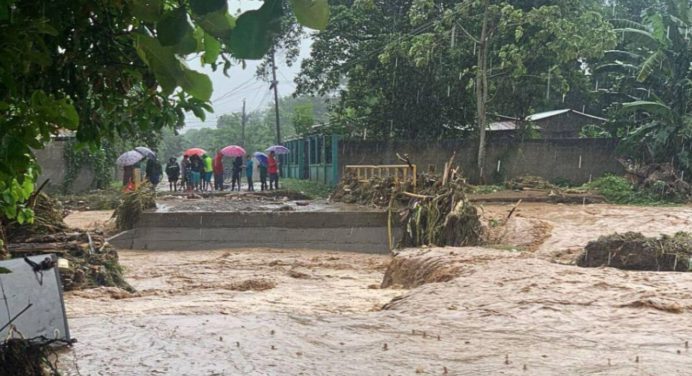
653	75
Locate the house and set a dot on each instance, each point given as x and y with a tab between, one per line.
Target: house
557	124
565	123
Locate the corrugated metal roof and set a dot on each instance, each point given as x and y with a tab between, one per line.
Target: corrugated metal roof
547	114
502	126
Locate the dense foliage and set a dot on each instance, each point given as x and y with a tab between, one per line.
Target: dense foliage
411	67
647	81
437	68
114	68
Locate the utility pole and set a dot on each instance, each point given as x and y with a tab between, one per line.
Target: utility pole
482	88
275	85
242	125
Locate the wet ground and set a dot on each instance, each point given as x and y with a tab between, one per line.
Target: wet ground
248	201
513	310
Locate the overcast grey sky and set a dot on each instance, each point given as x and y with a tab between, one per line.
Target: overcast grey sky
229	91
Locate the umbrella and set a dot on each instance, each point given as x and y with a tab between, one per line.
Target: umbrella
145	151
129	158
233	151
277	149
261	157
194	151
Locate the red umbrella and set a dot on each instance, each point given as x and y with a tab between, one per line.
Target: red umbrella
233	151
194	151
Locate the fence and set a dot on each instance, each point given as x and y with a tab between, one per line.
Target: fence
400	172
323	158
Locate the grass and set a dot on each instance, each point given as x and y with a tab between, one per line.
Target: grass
307	187
486	189
618	190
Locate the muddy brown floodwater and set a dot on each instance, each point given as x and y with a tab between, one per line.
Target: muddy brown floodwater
320	313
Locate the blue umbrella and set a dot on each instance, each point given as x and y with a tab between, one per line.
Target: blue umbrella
277	149
261	157
129	158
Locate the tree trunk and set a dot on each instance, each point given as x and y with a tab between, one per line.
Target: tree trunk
4	252
482	90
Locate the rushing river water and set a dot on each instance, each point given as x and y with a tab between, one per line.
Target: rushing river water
319	313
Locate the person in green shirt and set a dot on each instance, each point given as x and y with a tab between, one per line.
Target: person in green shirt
208	172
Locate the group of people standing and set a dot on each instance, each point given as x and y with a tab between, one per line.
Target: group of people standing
195	173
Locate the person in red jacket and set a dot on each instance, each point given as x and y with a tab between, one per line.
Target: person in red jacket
273	170
217	167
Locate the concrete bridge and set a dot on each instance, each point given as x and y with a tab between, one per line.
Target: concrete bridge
337	230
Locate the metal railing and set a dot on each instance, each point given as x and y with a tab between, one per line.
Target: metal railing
399	172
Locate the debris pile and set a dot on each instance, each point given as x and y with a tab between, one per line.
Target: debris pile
28	357
658	178
91	260
48	219
437	213
133	204
375	191
634	251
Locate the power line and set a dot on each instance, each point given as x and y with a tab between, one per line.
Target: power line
234	89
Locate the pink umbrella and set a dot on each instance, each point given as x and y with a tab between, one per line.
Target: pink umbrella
194	151
233	151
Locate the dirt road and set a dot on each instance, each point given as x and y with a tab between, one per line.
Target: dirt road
319	313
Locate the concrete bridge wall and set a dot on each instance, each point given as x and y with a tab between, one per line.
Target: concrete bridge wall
341	231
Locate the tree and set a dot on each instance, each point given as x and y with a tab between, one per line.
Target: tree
434	69
113	67
303	118
649	80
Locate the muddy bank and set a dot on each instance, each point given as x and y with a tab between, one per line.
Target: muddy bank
634	251
560	232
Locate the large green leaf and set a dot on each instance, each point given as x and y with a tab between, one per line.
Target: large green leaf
255	30
641	35
147	10
4	270
161	60
188	44
202	7
312	13
651	64
654	108
173	27
219	23
67	114
196	84
212	49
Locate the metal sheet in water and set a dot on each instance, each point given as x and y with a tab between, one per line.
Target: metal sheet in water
34	298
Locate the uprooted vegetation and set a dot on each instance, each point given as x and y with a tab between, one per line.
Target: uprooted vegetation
92	260
28	357
133	204
435	212
634	251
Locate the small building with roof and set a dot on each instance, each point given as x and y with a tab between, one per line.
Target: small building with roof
557	124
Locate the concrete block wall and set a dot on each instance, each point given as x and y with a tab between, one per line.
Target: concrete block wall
575	160
53	168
